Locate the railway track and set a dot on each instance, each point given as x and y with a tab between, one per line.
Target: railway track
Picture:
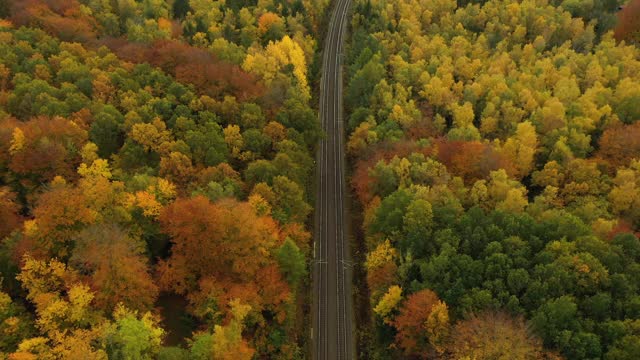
332	323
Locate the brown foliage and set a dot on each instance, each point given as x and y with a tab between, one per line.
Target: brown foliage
492	335
9	218
425	127
628	27
178	168
380	278
217	173
61	18
622	227
50	148
225	245
186	63
471	160
298	234
411	322
118	272
60	213
191	65
620	144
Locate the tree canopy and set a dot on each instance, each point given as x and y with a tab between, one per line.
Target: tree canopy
154	150
495	161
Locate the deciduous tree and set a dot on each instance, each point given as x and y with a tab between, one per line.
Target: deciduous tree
116	268
419	324
494	335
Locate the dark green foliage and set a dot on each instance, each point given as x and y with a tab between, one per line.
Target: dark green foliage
292	262
35	97
105	132
390	214
565	287
207	144
133	156
363	82
180	8
260	171
4	9
257	142
299	116
601	11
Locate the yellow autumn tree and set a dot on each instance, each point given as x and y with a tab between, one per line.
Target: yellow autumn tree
381	269
62	302
383	253
269	62
17	141
504	193
362	137
148	203
462	114
388	302
625	194
437	326
521	148
153	136
234	140
105	198
227	342
491	335
89	153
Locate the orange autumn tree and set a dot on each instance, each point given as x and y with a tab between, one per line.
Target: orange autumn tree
220	252
59	214
471	160
64	210
44	147
422	324
192	65
267	20
117	269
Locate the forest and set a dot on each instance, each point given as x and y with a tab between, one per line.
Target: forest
495	148
157	176
155	166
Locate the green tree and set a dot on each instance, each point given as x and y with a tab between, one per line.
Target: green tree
106	132
133	336
363	81
290	205
292	262
417	226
